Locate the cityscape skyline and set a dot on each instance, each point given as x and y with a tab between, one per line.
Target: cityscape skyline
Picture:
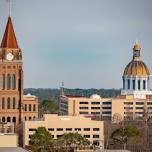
70	40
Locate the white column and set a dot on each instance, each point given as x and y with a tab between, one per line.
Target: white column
141	84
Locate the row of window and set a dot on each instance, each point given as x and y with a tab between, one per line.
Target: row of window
95	107
13	119
28	107
85	136
96	112
134	84
9	104
10	82
68	129
137	103
95	103
8	119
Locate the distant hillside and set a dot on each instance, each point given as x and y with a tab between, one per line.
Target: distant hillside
53	94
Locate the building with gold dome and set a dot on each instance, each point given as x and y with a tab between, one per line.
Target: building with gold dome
136	76
134	101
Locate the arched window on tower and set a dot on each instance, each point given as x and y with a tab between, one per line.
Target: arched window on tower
3	103
8	103
13	82
3	119
8	119
14	119
144	85
128	84
3	82
8	82
138	84
14	103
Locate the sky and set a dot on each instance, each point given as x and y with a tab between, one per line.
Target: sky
84	43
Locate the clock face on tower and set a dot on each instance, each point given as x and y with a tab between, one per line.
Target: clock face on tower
9	56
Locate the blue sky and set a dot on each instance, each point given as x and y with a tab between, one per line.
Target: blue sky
85	43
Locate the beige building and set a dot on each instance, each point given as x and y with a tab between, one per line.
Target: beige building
135	99
8	140
58	125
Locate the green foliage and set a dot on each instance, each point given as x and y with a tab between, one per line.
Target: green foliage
122	134
71	139
48	106
40	139
53	94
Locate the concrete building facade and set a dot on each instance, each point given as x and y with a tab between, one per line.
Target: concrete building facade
58	125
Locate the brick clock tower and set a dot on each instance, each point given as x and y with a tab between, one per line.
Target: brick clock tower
11	77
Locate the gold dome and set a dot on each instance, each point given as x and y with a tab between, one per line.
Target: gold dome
136	68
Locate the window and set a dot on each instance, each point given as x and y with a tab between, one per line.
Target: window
30	118
106	103
86	136
139	113
32	129
8	103
14	103
149	103
30	107
83	102
95	107
86	129
83	107
8	119
128	84
95	136
139	103
68	129
106	112
25	118
128	108
59	129
25	107
96	129
123	83
139	107
128	103
8	82
106	107
3	103
13	82
95	113
34	107
133	84
83	112
144	85
3	119
95	103
138	84
77	129
14	119
50	129
3	81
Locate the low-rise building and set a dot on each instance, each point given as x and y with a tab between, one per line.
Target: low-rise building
58	125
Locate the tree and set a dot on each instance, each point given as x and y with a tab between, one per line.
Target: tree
122	134
72	140
40	140
48	106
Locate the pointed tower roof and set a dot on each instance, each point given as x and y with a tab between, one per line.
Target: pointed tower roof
9	39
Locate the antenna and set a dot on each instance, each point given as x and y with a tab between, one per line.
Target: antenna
9	5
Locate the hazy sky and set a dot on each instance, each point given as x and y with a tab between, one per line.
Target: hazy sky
85	43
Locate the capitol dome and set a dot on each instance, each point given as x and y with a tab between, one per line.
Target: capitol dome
95	96
136	68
